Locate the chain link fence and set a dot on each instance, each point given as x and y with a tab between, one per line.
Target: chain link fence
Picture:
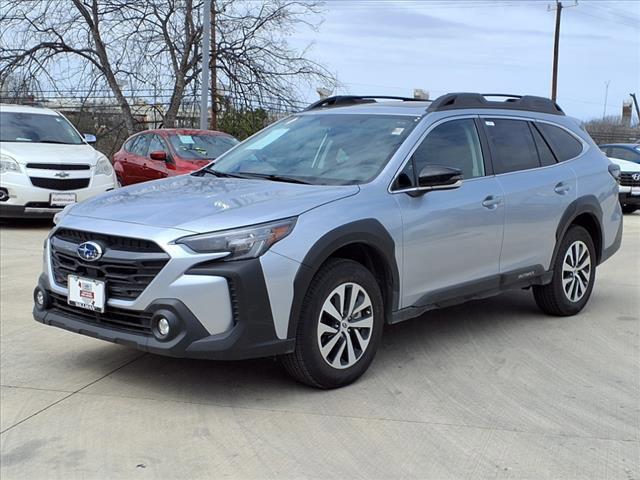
99	114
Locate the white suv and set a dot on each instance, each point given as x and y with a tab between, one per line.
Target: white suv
45	164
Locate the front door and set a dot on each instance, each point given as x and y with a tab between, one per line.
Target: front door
452	238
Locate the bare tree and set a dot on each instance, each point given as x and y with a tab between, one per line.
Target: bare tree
140	46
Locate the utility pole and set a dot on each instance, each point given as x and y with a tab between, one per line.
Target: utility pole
214	69
606	94
635	102
556	46
204	83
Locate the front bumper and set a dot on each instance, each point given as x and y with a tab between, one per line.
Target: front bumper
27	201
251	334
627	198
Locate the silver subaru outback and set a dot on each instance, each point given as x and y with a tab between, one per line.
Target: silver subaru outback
305	240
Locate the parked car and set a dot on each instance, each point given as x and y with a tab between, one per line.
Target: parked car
629	190
45	164
624	151
167	152
304	240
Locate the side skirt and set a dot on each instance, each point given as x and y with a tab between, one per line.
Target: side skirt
484	288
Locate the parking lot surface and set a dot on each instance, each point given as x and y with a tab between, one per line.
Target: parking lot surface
489	389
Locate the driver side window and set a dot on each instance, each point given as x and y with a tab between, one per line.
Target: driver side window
452	144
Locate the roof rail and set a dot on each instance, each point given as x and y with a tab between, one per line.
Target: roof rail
344	100
457	101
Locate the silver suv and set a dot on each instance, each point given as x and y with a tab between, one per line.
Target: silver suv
304	240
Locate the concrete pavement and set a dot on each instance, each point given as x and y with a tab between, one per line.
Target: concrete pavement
490	389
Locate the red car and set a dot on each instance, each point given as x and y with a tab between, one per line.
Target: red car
166	152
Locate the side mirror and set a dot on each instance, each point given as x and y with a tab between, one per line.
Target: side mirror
158	155
437	177
89	138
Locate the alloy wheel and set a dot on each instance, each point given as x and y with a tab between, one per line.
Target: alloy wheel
345	325
576	271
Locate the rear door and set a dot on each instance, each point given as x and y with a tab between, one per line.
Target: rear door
138	158
537	191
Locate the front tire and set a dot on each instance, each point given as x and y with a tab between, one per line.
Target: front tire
574	273
340	326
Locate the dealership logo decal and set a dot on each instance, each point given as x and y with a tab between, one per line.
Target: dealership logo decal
89	251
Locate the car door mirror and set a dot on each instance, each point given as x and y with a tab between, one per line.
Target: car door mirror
158	155
89	138
438	177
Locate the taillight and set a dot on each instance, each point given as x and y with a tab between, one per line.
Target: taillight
614	170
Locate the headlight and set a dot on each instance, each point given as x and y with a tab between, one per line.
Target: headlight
8	164
61	214
103	167
241	243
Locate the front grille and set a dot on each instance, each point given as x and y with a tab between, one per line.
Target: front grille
128	265
59	183
119	318
58	166
626	180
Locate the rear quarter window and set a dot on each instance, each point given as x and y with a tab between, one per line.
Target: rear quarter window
564	145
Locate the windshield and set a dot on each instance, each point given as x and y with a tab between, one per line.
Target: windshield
201	147
37	128
327	149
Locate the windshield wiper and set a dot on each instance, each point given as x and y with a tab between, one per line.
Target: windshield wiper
211	171
275	177
58	142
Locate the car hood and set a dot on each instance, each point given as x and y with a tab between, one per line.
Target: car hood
24	152
204	204
626	165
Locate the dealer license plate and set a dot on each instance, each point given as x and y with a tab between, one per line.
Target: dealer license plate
635	190
62	199
86	293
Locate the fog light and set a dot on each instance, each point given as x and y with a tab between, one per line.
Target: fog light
40	298
163	326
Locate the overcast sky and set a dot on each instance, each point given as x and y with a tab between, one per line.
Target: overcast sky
393	46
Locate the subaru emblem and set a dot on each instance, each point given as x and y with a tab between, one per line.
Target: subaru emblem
89	251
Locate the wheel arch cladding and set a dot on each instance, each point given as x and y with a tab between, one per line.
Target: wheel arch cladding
365	241
587	213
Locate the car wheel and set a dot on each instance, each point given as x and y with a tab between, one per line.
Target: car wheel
340	326
629	208
574	273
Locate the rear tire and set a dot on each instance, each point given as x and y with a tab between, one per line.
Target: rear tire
629	208
339	328
574	273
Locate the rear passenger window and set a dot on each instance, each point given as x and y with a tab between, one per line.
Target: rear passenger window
563	144
141	146
512	145
544	152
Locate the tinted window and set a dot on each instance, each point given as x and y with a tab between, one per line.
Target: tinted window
37	128
157	145
624	154
563	144
141	145
544	152
325	149
512	145
452	144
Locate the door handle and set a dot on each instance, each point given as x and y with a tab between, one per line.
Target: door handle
491	202
562	188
